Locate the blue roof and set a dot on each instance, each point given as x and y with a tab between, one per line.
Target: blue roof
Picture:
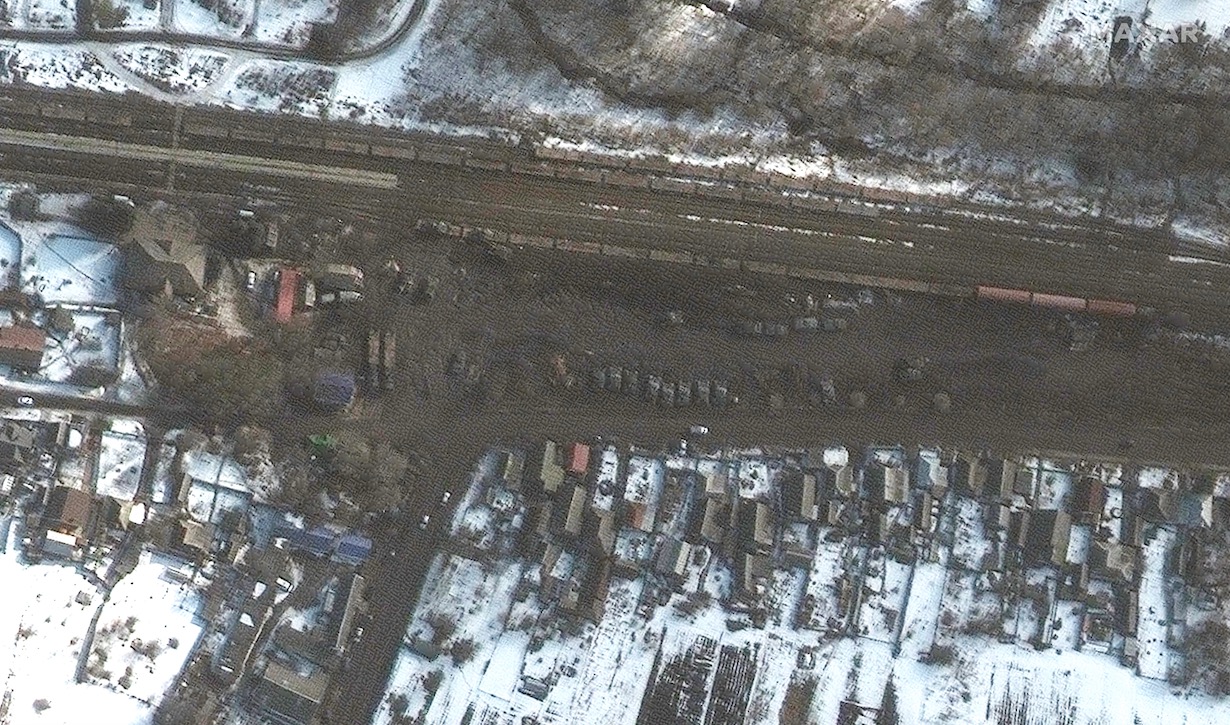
353	548
334	389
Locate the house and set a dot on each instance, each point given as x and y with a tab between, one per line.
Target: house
162	253
896	485
288	290
21	347
578	459
334	391
350	612
550	472
68	512
197	535
754	570
576	506
714	528
763	534
512	469
285	697
809	502
17	442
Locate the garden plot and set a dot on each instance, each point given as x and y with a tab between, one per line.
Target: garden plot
463	609
972	549
146	631
172	70
285	87
213	18
51	14
886	588
822	597
131	15
289	22
44	617
62	66
10	256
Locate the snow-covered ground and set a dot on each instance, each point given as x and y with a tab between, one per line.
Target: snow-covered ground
172	70
147	629
44	617
66	269
140	17
50	14
288	22
93	343
229	19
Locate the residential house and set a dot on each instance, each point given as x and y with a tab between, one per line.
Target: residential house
550	473
352	549
511	469
65	519
764	529
716	518
576	507
21	347
286	697
17	444
578	459
350	612
163	255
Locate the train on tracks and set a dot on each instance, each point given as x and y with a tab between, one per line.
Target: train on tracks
1063	303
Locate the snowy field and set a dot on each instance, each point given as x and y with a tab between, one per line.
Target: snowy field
50	14
140	17
93	343
65	269
229	19
146	631
44	617
288	22
172	70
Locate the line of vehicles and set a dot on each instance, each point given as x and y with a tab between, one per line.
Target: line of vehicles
664	391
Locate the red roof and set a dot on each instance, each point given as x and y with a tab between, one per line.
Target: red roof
23	337
287	287
578	459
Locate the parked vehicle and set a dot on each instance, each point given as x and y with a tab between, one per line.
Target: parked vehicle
775	329
702	392
457	363
806	324
652	387
614	379
667	396
835	324
698	430
752	327
427	289
25	401
426	520
683	393
632	382
597	378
